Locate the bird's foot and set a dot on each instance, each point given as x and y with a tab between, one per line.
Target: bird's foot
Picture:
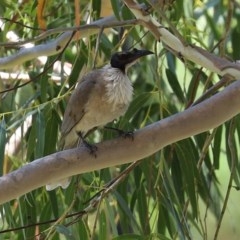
129	134
122	133
91	148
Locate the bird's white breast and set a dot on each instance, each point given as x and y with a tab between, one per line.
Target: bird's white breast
119	89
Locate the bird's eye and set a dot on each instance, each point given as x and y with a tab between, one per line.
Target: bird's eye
123	55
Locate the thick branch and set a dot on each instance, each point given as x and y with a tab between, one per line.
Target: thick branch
202	117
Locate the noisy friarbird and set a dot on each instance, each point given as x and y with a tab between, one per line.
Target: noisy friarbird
101	96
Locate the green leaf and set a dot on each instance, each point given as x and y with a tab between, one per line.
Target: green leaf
29	213
103	226
130	237
136	105
51	136
170	204
235	43
187	154
80	61
2	144
177	177
40	134
143	209
65	231
217	147
96	8
126	13
111	218
54	203
174	83
116	8
123	206
200	142
82	229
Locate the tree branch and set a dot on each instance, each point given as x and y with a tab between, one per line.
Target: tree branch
199	118
193	53
55	46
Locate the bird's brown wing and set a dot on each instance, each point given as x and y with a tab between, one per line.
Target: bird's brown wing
75	109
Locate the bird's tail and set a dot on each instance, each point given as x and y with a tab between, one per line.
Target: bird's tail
64	183
66	142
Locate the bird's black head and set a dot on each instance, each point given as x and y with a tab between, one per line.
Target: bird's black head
122	60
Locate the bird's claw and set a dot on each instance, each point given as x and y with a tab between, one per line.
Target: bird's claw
91	148
122	133
129	134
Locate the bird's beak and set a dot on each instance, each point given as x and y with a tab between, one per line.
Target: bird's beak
131	57
123	60
135	54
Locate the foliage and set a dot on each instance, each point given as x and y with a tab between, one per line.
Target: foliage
168	195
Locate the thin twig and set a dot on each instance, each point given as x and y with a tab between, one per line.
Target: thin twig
94	25
21	24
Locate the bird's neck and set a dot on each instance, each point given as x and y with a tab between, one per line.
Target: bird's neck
119	89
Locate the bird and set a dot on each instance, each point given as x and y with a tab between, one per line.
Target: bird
100	97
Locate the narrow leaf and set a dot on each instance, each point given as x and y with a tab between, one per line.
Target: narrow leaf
40	134
173	81
2	144
116	8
